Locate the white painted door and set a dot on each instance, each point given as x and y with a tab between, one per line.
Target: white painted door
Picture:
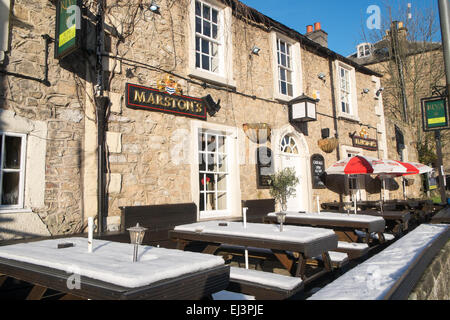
290	158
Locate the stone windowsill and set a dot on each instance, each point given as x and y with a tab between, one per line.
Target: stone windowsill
24	210
348	117
213	78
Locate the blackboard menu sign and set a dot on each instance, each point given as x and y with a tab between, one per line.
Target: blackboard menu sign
317	169
264	167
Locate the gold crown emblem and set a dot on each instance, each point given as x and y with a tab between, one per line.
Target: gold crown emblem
364	134
168	85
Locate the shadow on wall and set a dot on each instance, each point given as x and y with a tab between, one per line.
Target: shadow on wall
10	234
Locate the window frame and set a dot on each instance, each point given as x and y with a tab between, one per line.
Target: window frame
288	68
224	76
21	171
210	39
296	67
216	192
352	96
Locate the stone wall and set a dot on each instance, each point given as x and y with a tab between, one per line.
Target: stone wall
435	282
58	106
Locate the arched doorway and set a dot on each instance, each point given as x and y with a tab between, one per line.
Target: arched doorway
292	152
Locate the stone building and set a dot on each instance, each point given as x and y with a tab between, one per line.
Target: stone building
422	65
164	143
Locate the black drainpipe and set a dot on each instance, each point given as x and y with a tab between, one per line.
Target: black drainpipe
101	103
335	120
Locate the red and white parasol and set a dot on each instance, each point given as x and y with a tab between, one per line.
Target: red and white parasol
366	165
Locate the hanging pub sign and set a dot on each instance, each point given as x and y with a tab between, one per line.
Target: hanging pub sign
435	114
68	27
167	98
317	171
363	141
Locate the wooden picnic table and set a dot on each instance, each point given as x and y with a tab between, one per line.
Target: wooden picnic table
343	224
396	221
292	247
109	273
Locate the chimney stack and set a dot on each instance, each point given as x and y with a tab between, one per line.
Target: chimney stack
317	34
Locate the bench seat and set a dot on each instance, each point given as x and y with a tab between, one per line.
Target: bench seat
338	259
352	249
263	285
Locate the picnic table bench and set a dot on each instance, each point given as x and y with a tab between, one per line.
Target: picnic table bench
292	247
442	216
394	272
109	273
344	225
263	285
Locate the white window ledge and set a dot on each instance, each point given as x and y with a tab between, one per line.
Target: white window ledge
212	78
11	210
349	117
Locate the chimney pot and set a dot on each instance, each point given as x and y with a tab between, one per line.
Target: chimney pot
309	29
317	26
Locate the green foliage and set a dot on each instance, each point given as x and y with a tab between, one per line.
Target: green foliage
283	185
426	154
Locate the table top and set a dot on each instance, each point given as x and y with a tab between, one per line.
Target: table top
332	219
110	262
390	215
307	240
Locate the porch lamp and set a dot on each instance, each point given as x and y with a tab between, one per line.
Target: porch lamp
136	237
281	218
303	109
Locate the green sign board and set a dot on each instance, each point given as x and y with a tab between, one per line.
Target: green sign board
68	27
435	115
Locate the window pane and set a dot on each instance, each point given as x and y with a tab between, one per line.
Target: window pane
10	188
212	143
283	87
202	201
198	8
12	152
221	144
282	47
210	201
206	28
202	162
222	201
197	60
282	74
205	46
214	31
290	90
198	25
221	183
206	12
197	43
214	64
205	62
215	14
283	60
222	165
210	182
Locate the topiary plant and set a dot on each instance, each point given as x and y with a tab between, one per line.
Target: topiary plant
282	186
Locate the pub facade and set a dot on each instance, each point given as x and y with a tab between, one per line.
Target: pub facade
206	99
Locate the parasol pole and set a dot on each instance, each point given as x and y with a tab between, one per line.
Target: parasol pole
245	227
382	195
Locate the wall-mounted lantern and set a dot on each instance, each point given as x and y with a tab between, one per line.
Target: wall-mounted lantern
303	109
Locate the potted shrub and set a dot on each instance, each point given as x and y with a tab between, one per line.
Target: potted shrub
282	186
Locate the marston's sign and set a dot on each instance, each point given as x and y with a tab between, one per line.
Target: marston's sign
139	97
365	143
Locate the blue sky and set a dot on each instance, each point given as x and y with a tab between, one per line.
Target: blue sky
343	20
